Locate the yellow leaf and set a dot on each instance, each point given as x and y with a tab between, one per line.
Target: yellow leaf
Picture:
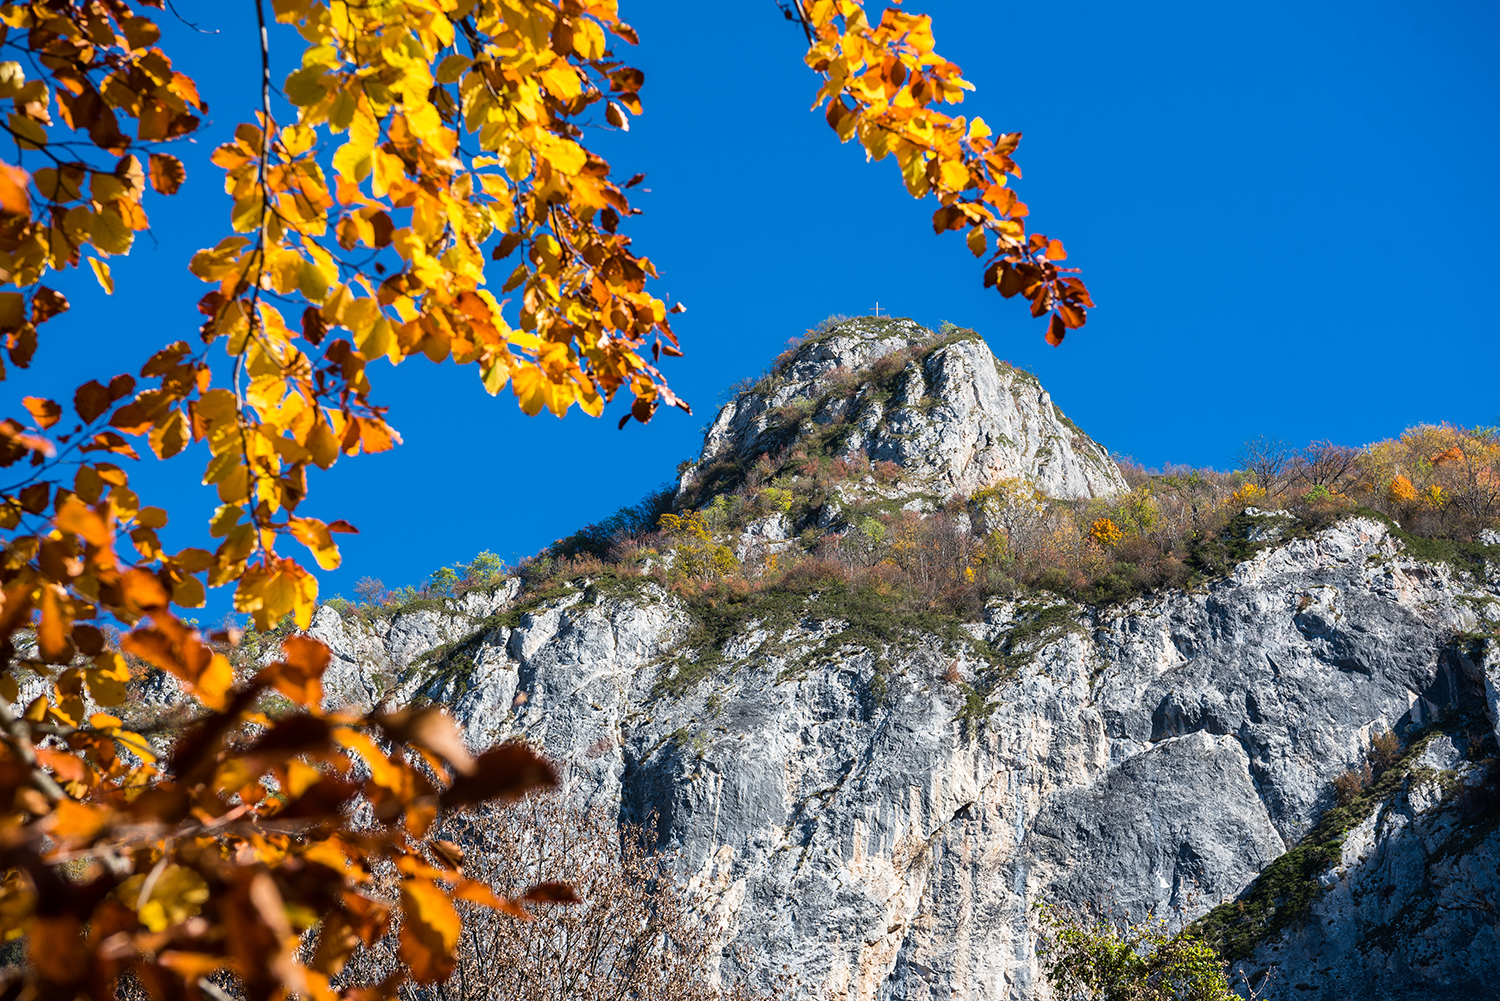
429	931
101	272
297	139
28	134
247	212
307	86
311	282
12	79
176	894
977	241
382	772
954	174
453	67
314	534
110	232
106	679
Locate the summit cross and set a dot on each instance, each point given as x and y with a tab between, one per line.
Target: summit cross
877	308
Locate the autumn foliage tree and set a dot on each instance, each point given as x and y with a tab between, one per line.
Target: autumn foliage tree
421	151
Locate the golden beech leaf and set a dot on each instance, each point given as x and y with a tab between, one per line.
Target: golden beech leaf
383	772
429	931
76	517
14	200
101	272
107	678
315	535
167	173
299	675
977	241
43	411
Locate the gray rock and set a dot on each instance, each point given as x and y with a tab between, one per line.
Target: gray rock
851	817
956	423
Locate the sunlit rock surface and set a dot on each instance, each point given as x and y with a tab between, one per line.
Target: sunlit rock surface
954	418
884	838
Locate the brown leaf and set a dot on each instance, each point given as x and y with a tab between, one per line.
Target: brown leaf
552	893
1056	330
1071	315
314	329
46	304
434	730
167	173
383	227
120	386
506	772
91	400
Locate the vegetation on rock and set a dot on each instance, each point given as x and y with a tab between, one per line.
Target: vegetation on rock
1121	961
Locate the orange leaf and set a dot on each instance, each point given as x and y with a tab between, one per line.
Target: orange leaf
1056	331
43	411
13	197
300	676
429	931
52	631
76	517
142	590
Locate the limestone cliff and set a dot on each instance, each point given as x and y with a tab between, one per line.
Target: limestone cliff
881	799
948	413
887	838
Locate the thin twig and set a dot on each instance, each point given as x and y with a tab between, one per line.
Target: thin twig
173	8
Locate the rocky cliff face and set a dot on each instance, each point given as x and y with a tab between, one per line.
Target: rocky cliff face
949	414
885	834
880	801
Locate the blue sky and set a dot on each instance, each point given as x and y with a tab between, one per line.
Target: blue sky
1284	211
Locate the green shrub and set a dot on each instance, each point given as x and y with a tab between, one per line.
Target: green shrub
1119	961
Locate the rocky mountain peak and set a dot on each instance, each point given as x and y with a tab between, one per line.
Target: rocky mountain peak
940	406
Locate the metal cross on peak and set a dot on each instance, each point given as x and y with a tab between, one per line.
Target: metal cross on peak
877	308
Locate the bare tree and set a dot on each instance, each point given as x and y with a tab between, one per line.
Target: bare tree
1265	459
639	934
1324	464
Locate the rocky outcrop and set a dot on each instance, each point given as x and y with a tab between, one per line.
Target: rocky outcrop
950	415
881	829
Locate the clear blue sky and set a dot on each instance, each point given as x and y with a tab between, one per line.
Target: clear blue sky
1286	213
